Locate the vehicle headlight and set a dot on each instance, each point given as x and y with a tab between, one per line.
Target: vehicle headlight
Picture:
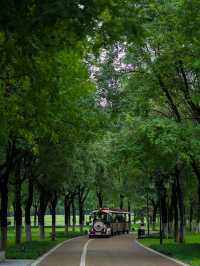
98	226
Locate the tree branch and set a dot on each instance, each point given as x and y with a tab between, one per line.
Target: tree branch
170	100
186	90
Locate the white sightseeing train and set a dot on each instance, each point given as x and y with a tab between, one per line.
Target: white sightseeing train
108	222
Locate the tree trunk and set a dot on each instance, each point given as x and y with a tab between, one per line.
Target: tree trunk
41	226
121	201
129	214
161	216
67	213
42	210
198	211
4	176
175	211
35	215
18	212
53	214
82	195
197	173
161	224
4	211
155	209
14	220
181	207
81	214
100	199
191	216
73	215
28	210
80	204
164	212
134	217
148	229
171	211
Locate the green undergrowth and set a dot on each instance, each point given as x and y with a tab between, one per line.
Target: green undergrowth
35	248
188	252
29	250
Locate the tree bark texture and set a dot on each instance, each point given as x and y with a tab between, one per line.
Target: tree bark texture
53	214
100	199
197	173
154	215
4	211
73	214
175	206
164	211
67	205
181	207
28	206
121	201
42	209
18	211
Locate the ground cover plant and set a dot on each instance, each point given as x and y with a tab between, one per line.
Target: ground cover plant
187	252
35	248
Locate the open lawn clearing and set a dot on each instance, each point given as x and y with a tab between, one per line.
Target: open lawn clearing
60	220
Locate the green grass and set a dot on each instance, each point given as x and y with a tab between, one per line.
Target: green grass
60	219
35	248
188	252
29	250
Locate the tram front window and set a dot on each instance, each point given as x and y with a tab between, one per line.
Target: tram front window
100	216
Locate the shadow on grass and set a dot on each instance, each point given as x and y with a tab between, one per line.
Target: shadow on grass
34	249
29	250
189	253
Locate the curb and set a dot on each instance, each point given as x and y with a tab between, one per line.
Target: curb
42	257
161	254
2	256
17	262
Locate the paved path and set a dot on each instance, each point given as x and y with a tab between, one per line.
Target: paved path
16	263
115	251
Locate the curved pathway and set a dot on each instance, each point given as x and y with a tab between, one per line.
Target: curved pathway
120	250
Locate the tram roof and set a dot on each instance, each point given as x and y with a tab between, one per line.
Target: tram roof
112	210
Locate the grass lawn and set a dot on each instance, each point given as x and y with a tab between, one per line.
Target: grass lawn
60	219
35	248
189	252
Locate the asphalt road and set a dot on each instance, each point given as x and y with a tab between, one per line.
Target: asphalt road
115	251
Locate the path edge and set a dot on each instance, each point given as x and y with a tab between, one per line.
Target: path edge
161	254
42	257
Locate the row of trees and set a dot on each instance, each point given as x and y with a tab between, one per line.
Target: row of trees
151	87
95	98
49	115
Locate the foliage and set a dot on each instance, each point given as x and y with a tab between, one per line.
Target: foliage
35	248
101	97
188	252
